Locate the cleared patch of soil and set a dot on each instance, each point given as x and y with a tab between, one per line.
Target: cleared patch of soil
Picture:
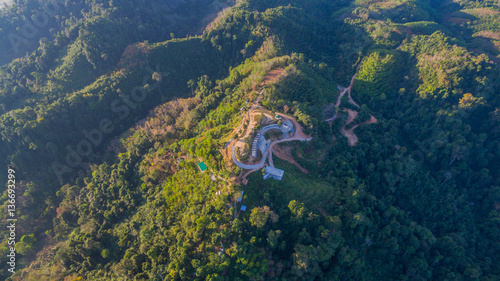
133	55
349	134
372	120
352	115
286	154
273	76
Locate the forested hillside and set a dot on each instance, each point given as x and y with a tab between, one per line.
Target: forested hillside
108	107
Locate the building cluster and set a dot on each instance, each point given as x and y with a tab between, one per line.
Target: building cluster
262	144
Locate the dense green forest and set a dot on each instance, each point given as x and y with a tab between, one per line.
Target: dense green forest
107	107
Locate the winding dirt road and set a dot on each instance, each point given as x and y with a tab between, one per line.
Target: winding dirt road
349	134
348	90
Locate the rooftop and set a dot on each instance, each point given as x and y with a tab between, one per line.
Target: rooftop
202	166
272	172
287	126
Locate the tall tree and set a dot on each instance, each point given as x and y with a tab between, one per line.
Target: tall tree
157	76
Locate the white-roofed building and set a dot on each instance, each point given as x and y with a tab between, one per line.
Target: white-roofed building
271	172
264	145
286	128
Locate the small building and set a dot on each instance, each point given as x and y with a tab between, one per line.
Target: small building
263	145
203	167
286	128
272	172
243	208
339	87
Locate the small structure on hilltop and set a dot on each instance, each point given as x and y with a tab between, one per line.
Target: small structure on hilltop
287	128
285	124
271	172
263	144
203	167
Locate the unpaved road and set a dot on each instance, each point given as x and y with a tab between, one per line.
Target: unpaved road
273	76
349	134
348	90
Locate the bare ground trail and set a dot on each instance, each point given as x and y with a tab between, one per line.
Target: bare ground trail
372	120
348	90
273	76
349	134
